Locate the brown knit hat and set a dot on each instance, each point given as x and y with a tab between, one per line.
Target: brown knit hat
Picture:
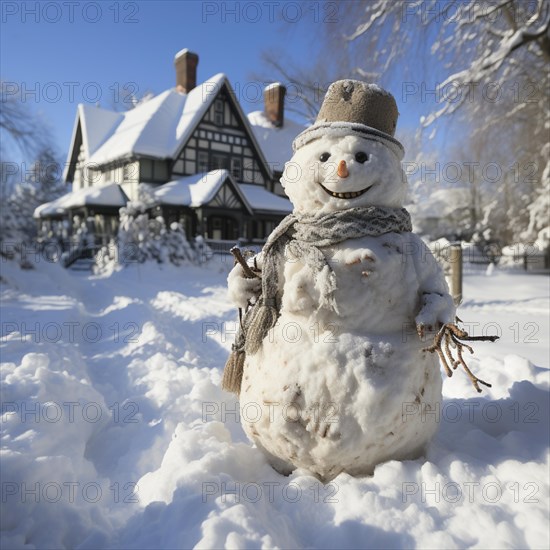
355	107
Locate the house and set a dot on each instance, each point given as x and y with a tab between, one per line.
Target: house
209	166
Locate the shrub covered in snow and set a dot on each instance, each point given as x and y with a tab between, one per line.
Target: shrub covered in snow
106	258
177	246
18	229
142	238
18	226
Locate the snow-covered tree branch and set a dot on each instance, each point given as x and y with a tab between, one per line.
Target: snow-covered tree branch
478	68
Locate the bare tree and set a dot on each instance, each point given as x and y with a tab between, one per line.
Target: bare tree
24	136
478	66
306	86
18	123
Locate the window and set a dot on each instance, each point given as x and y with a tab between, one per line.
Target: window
146	167
160	170
236	168
203	161
220	161
218	112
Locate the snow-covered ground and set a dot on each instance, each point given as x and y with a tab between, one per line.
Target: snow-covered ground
115	432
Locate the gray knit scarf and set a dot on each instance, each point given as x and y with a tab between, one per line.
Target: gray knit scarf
306	235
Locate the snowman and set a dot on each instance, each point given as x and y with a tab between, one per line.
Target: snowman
330	365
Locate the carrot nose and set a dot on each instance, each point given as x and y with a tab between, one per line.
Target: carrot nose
343	169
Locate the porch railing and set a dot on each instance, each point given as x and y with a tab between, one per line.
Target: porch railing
219	246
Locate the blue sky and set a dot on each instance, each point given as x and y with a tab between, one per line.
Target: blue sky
64	53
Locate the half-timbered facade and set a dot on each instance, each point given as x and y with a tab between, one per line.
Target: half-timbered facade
195	148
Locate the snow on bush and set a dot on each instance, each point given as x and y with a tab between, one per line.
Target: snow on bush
18	230
179	249
18	226
142	238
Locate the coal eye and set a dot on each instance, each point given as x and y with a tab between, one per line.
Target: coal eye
324	157
361	157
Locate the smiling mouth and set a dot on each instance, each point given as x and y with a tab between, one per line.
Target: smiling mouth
349	195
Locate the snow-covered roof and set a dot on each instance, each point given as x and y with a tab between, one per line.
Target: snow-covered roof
147	130
97	125
441	203
276	143
159	126
200	189
156	127
194	190
261	199
106	195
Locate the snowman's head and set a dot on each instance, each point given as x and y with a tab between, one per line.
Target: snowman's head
336	172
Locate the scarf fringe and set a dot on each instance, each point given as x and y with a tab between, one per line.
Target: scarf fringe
263	318
233	372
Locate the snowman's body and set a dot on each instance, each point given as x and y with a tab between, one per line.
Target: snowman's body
342	392
342	389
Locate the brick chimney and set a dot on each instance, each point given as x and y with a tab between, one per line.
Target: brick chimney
186	70
274	103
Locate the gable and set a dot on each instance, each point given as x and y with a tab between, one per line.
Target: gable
93	126
74	151
216	188
155	128
229	195
226	198
223	139
221	112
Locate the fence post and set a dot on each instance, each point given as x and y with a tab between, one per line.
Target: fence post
455	259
